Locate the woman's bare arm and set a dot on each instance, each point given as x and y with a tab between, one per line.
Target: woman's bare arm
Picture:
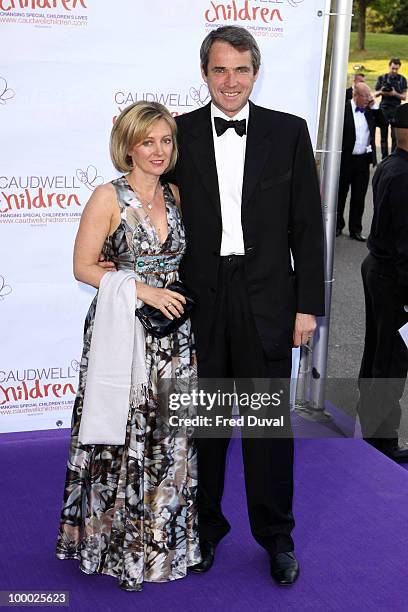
97	222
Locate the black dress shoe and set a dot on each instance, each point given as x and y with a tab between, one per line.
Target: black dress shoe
207	558
398	454
338	232
358	237
284	568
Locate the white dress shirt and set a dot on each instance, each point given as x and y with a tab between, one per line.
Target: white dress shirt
230	158
362	144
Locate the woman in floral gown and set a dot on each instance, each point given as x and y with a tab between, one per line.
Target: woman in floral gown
129	510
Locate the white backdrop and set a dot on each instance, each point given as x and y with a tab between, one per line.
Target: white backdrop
68	68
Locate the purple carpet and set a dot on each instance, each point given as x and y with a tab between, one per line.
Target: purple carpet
351	535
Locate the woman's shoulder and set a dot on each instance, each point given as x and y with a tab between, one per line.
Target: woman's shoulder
103	196
107	190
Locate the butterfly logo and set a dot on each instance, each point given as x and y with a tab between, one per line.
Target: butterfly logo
201	95
75	365
89	177
6	93
5	290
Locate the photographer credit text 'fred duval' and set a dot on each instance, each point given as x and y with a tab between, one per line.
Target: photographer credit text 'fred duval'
195	401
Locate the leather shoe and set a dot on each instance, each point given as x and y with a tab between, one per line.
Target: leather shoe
358	237
338	232
207	558
284	568
398	454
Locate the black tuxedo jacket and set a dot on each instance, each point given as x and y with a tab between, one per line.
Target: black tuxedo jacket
375	118
281	213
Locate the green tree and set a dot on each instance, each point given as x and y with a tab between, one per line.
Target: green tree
393	14
385	15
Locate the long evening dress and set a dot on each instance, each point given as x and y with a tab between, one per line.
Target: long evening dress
130	511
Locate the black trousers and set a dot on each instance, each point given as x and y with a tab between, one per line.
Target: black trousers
236	353
354	173
389	115
385	359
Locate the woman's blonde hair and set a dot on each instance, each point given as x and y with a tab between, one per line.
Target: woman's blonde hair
132	126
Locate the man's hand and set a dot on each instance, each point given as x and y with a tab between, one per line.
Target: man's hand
106	265
305	324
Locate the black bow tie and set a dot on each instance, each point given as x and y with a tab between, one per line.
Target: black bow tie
222	125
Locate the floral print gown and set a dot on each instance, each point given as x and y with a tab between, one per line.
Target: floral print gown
130	511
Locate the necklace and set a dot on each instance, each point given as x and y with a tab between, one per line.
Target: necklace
148	205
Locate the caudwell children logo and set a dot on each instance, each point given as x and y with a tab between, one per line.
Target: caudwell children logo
43	199
46	13
177	102
262	17
37	383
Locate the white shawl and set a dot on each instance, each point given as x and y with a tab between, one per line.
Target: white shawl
117	362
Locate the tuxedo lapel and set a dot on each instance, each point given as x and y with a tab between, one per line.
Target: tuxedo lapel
257	148
201	147
370	118
351	127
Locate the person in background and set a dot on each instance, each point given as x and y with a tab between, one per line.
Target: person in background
358	152
357	78
392	87
385	277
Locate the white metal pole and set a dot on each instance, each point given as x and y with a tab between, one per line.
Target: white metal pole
330	169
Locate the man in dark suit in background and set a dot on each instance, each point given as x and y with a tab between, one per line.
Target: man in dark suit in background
385	277
358	152
357	78
392	87
250	198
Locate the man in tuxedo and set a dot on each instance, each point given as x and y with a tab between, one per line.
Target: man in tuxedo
250	199
357	78
358	152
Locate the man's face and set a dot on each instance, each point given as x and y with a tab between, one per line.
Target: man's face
230	77
362	95
394	68
358	79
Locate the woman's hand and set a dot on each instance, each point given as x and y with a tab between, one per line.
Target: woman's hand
169	302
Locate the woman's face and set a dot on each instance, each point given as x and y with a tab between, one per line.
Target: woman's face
152	155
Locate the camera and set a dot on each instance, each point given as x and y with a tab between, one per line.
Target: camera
389	84
387	87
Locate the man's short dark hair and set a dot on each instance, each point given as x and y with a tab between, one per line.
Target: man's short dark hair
395	60
237	37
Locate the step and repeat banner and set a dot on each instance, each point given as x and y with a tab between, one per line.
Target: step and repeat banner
67	68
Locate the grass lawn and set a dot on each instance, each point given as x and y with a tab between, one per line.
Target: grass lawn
380	48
